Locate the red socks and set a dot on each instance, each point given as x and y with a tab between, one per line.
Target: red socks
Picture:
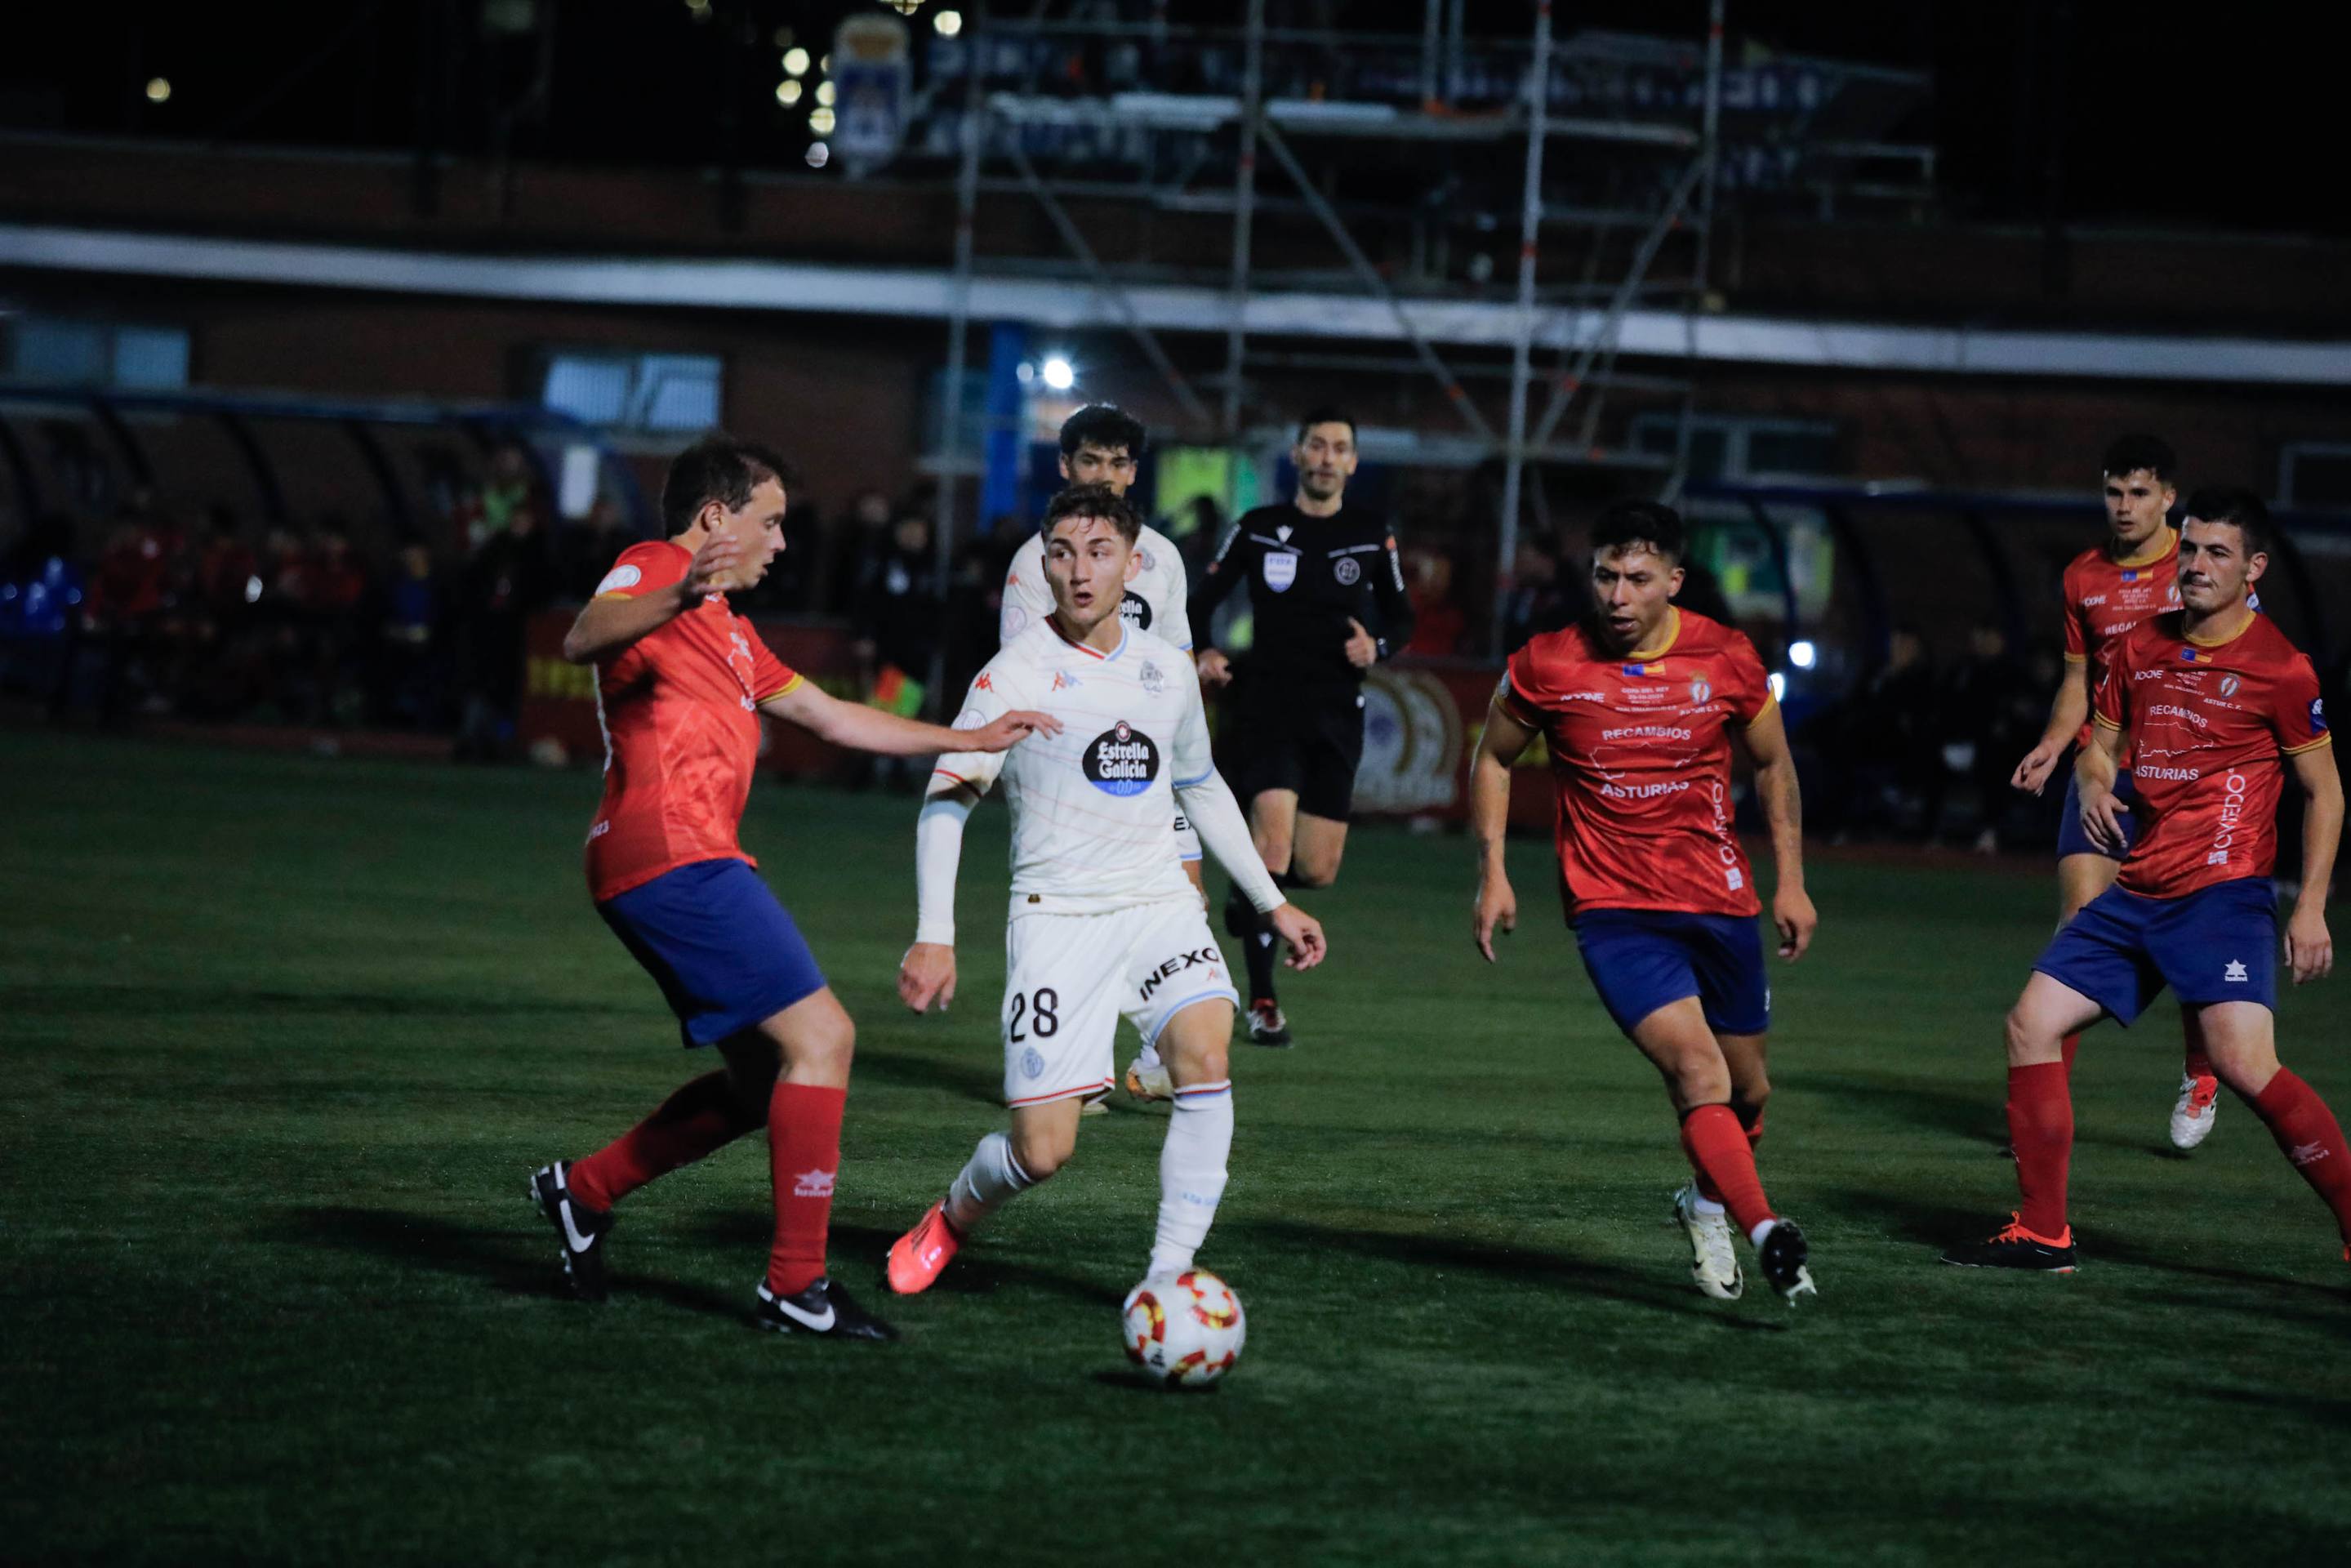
2195	1065
1752	1121
695	1121
2041	1130
803	1153
2306	1130
1720	1151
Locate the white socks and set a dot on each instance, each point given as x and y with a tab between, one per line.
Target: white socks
989	1179
1192	1172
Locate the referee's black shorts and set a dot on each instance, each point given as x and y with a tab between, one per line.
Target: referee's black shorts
1305	739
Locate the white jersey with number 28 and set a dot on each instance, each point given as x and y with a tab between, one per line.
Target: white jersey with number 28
1091	805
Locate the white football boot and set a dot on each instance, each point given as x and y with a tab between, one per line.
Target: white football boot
2197	1107
1713	1265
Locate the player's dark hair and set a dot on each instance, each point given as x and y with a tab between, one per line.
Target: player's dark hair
1105	425
1325	413
2129	454
1650	523
1093	501
2233	504
718	468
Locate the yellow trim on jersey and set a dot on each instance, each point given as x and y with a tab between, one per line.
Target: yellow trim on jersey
2102	718
1770	702
2308	745
1642	655
2170	543
787	688
616	593
2251	616
2077	658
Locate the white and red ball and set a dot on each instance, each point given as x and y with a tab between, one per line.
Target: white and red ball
1186	1330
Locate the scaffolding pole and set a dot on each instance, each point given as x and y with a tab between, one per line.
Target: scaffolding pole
1243	205
1702	279
949	463
1523	345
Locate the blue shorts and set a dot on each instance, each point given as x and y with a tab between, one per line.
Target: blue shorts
720	946
2218	943
2073	839
1641	959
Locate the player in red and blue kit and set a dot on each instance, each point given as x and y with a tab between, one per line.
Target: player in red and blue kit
1637	707
2109	589
2215	705
680	682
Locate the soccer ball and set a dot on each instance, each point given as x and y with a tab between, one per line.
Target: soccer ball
1186	1330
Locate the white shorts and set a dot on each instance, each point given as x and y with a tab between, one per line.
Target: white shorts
1187	838
1069	978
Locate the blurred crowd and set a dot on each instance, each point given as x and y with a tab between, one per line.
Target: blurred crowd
153	609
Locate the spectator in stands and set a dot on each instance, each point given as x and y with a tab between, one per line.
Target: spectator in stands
1885	746
408	666
1988	716
506	581
1437	622
1538	599
897	622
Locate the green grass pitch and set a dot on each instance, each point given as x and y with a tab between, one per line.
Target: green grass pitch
282	1038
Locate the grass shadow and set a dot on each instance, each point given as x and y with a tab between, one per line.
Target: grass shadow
501	1259
907	1070
859	1255
1974	1118
1580	1275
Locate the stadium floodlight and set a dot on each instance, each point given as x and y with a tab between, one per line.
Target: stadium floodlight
820	121
904	7
817	154
947	23
788	92
1779	683
825	94
1803	654
796	62
1058	373
159	89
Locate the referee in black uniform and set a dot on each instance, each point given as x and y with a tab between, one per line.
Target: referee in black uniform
1327	597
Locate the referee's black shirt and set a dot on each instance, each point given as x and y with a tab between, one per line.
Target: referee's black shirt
1307	577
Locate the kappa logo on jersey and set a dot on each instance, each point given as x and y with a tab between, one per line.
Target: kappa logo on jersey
1347	571
1280	570
1063	681
1121	760
1135	611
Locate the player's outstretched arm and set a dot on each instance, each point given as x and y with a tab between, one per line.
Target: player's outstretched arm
862	729
927	973
1784	814
608	623
2066	714
2095	770
2309	949
1498	749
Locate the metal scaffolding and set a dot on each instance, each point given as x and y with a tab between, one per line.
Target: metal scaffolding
1468	106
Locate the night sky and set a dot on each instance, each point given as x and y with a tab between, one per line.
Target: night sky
2082	111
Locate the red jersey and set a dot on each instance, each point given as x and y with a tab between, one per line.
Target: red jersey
1640	753
680	713
2104	599
2208	723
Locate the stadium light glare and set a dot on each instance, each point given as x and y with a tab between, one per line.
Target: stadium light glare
817	154
820	121
796	62
1779	683
904	7
1058	373
1803	654
824	93
788	92
159	89
947	23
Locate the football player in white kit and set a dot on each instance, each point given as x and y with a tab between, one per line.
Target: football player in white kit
1103	921
1102	444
